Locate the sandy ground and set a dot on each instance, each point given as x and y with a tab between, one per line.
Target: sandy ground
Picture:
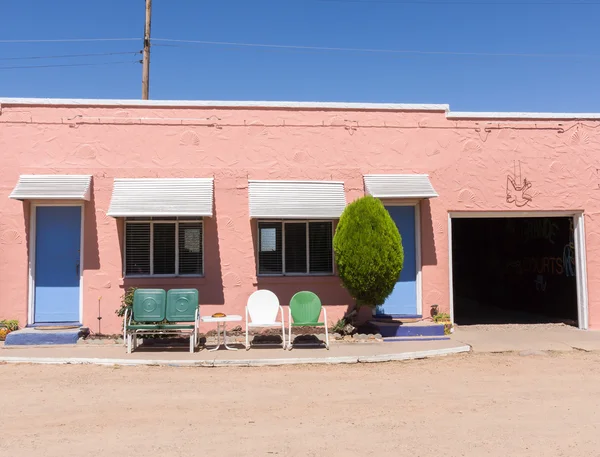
468	405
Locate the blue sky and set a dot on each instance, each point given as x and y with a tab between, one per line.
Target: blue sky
189	71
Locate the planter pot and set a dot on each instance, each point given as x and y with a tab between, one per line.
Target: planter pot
448	327
3	332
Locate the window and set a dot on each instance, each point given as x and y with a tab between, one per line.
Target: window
295	248
163	246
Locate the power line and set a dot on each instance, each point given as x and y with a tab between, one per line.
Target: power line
368	50
70	65
70	40
67	56
463	2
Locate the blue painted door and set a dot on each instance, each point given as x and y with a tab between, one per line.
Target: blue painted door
57	245
403	299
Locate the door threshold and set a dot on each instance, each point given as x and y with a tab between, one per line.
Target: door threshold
55	324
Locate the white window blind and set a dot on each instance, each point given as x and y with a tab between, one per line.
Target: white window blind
295	248
163	247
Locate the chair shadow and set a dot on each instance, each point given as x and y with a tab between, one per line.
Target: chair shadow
307	342
266	342
168	349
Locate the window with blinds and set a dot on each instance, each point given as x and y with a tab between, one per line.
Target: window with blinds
295	248
163	247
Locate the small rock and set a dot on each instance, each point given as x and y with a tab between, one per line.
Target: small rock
348	329
337	336
361	337
371	337
347	337
378	336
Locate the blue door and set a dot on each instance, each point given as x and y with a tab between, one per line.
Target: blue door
403	299
57	245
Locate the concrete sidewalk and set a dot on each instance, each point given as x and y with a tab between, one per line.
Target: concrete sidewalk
339	353
519	338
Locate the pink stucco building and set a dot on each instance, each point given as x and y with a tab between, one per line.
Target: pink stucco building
498	211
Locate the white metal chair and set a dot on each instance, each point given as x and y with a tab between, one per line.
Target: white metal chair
261	312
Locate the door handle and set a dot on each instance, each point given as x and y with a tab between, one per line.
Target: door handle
77	269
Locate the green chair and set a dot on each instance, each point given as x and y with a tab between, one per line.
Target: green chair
305	311
156	312
182	306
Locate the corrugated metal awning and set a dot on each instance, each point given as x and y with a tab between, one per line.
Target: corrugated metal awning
52	187
296	199
161	197
399	186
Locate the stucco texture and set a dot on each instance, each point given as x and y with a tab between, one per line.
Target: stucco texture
468	162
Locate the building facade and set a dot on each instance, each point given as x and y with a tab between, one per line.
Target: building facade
231	197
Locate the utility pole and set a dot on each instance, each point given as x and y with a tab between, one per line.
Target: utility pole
146	56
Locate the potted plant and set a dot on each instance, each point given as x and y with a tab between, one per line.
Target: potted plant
7	326
442	318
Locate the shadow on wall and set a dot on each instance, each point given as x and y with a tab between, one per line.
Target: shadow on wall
328	288
210	286
27	225
91	260
91	255
428	252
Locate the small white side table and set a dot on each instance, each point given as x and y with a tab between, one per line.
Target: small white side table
222	327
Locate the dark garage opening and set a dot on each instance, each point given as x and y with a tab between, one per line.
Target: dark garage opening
514	270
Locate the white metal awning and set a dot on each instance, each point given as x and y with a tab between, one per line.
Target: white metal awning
52	187
145	197
399	186
296	199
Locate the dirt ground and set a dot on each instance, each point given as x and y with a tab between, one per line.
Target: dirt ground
471	405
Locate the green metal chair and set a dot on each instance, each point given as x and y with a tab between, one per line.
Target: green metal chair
305	311
155	311
182	306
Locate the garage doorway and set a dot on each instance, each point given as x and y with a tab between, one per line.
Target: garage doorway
517	268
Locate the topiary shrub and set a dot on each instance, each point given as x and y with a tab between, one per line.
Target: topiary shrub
368	251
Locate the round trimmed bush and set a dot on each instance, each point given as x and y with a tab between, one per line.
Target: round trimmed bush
368	251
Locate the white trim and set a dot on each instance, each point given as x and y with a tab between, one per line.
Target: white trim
505	214
225	104
215	362
520	115
272	181
580	254
418	259
32	255
450	273
581	272
79	102
31	264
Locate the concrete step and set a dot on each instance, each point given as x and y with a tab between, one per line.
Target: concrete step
36	336
394	339
404	320
395	328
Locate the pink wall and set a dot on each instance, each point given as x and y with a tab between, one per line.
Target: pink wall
468	162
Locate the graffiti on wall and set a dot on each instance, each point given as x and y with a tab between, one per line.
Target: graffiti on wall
517	188
540	283
569	252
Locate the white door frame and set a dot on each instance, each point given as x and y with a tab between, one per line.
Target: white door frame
417	206
580	259
32	254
